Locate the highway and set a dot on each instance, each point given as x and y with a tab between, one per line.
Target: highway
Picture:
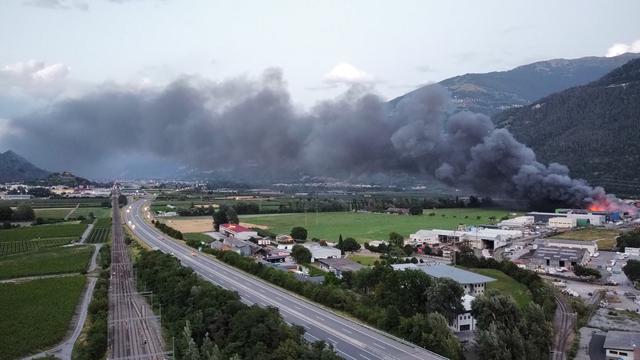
351	339
134	331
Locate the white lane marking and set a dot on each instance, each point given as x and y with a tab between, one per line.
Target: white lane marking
378	346
366	357
347	331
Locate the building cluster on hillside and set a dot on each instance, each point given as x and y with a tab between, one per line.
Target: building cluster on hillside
277	252
473	285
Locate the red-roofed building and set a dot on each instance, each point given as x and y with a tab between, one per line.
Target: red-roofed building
238	231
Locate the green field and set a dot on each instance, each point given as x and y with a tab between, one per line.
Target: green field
43	232
198	237
506	285
364	260
35	315
46	262
98	212
371	226
52	213
101	231
24	246
57	203
606	238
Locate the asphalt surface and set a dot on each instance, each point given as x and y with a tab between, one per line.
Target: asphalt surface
351	340
134	331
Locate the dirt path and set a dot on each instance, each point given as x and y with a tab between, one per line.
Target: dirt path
64	349
71	212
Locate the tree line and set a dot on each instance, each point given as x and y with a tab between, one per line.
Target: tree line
168	230
211	323
408	304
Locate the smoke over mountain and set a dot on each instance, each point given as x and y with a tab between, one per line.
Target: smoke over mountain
241	122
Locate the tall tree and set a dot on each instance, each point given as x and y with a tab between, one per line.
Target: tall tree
445	297
301	254
299	233
5	213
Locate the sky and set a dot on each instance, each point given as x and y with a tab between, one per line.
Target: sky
320	46
72	69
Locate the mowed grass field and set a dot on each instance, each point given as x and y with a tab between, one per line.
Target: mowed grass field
35	315
54	213
198	237
506	285
42	232
46	262
371	226
606	238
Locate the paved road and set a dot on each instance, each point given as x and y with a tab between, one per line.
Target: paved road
134	331
351	339
87	232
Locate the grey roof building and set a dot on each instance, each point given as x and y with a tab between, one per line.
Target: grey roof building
622	344
339	266
558	257
472	283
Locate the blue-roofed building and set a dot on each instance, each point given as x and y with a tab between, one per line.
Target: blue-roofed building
472	283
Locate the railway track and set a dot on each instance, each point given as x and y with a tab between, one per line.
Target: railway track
134	331
564	330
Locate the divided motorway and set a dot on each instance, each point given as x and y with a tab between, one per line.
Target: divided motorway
350	339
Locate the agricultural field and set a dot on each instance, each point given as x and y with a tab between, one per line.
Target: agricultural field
606	238
98	212
25	246
57	203
506	285
58	260
52	213
43	232
35	315
101	231
371	226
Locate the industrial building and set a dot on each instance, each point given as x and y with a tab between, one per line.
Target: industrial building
552	257
590	246
322	252
622	345
517	222
464	321
339	266
237	231
472	283
479	237
581	219
562	223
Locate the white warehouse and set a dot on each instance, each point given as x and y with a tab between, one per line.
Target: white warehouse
480	238
562	223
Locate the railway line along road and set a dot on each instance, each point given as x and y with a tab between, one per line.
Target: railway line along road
134	331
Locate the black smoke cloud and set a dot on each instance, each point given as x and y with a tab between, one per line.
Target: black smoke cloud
242	123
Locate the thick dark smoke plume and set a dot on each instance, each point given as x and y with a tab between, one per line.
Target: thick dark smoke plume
252	124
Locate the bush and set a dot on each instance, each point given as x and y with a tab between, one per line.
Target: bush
299	233
585	271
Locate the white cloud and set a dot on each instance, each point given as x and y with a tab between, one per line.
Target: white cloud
345	73
34	71
619	48
58	4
